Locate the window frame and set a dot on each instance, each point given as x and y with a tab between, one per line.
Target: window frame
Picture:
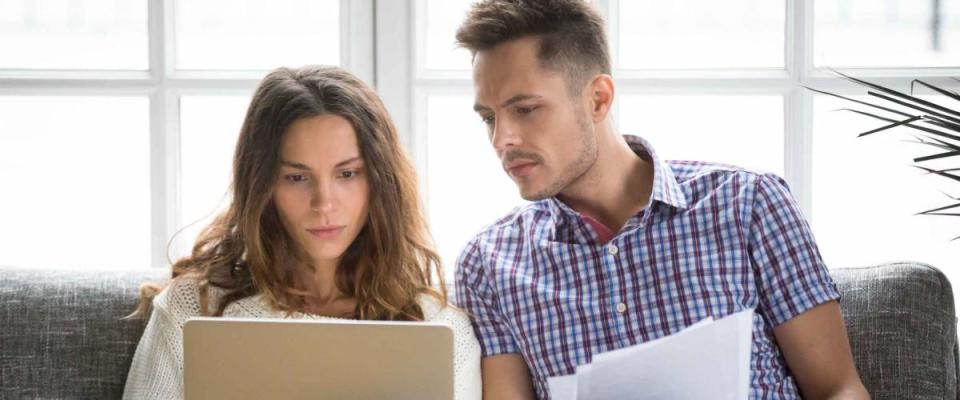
381	42
406	84
163	85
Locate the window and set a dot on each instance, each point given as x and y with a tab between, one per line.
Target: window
118	119
165	83
721	82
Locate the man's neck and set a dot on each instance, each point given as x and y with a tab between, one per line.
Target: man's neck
617	187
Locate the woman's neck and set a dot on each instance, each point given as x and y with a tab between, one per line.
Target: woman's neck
326	299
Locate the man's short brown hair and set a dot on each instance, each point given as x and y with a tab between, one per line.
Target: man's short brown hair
571	32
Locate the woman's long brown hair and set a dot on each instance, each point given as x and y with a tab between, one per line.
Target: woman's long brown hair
246	250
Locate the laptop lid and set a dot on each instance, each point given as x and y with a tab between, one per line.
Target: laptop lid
230	358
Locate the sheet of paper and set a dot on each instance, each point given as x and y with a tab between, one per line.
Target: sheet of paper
562	387
710	359
626	350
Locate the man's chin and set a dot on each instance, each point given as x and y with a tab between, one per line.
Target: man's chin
530	193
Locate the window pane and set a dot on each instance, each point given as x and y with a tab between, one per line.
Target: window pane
209	127
684	34
257	35
890	33
443	19
865	193
466	187
73	34
75	173
742	130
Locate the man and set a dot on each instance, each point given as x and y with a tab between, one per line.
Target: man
619	247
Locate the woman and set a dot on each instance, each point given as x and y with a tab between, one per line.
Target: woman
325	222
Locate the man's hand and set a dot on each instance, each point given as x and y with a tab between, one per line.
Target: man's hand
817	351
506	377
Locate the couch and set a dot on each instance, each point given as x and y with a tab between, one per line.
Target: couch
61	335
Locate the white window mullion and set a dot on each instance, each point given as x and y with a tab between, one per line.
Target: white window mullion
798	104
164	133
357	38
394	74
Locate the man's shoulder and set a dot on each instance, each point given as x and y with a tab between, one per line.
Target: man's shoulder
512	227
516	221
701	178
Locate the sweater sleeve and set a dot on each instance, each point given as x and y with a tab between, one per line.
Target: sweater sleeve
156	371
466	369
466	350
157	368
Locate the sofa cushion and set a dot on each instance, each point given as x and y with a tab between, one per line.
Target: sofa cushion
62	335
903	329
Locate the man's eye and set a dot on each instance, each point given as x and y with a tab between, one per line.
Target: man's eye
295	178
525	110
487	119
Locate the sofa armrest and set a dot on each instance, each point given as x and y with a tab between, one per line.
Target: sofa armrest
61	332
903	329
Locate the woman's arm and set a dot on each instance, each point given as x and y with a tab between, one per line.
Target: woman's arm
157	368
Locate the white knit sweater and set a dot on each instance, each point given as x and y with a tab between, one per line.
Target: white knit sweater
157	369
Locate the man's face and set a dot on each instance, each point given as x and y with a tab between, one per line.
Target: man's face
543	136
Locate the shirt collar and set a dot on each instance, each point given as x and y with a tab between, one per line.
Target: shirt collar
666	189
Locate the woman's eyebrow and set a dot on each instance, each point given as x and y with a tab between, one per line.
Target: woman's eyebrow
348	161
296	165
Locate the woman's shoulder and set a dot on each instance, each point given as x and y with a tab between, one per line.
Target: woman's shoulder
434	310
181	299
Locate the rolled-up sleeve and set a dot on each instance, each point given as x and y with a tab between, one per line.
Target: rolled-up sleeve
792	275
476	295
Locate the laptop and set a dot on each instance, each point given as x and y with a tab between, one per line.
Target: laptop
231	358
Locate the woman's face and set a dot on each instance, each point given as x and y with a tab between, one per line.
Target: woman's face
322	192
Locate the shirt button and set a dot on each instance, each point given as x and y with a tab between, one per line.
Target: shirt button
612	249
621	308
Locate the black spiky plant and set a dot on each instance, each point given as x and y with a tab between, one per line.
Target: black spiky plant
939	126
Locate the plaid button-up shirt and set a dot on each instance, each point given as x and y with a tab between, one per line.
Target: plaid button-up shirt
714	240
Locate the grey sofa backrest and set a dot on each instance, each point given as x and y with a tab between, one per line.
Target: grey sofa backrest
61	333
903	329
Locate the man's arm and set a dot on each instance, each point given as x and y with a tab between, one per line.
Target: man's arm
505	376
817	351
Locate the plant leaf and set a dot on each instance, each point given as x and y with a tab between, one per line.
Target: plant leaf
937	156
952	95
913	106
939	172
943	124
890	110
893	125
925	129
898	94
938	209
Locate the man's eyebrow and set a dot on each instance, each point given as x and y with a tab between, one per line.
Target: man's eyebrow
515	99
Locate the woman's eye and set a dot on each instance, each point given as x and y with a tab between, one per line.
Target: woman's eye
349	174
295	178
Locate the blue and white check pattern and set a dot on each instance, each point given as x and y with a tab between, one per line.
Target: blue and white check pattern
715	240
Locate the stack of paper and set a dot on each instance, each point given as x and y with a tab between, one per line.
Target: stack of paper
707	360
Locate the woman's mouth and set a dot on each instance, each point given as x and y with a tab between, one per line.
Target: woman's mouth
326	231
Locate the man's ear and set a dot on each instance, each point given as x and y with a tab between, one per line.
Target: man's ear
601	93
